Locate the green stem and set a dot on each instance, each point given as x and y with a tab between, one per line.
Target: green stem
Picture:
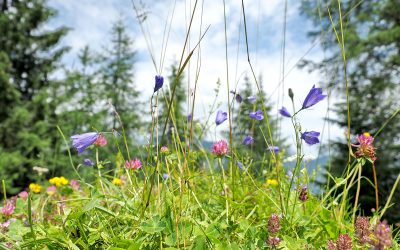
376	187
4	190
225	190
298	161
390	196
30	217
69	153
358	190
99	171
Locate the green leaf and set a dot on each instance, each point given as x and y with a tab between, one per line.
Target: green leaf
199	243
153	225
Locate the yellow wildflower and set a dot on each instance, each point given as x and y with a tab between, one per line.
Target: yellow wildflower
117	182
35	187
58	181
63	181
272	182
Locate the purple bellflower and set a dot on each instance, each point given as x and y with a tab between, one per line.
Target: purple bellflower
88	162
314	96
240	165
311	137
248	140
284	112
159	83
274	149
238	97
82	141
258	115
189	117
251	99
221	117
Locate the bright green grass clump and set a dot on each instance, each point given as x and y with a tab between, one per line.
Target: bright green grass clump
184	206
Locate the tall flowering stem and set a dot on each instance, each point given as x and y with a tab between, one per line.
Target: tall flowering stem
298	158
259	91
99	171
4	190
359	169
376	187
224	188
366	149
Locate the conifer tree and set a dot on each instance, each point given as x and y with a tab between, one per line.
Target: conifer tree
81	101
118	85
371	31
29	55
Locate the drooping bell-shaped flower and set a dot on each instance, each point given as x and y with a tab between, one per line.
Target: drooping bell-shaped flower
248	140
159	83
221	117
257	115
314	96
310	137
82	141
284	112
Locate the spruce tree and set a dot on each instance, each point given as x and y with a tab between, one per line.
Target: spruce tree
81	98
371	31
118	85
29	55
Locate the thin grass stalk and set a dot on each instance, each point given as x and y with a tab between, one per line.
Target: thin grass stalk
4	190
69	153
334	188
298	162
396	183
99	173
376	187
229	107
359	169
342	48
180	71
225	190
30	217
257	85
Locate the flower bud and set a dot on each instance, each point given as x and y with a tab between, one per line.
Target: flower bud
291	95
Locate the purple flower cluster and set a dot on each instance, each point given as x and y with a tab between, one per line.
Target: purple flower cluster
303	196
362	230
342	243
381	236
273	228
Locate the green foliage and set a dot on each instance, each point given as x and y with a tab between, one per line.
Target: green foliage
371	31
118	86
186	211
28	58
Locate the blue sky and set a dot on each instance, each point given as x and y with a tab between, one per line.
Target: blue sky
91	20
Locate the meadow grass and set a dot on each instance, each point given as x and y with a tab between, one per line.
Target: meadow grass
185	196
